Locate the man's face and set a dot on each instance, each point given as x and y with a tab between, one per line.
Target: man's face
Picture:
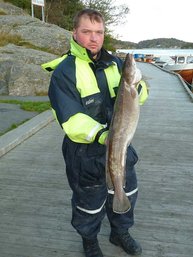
89	34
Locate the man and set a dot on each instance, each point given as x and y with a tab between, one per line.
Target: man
82	94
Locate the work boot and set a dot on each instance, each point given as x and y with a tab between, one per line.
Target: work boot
91	248
125	241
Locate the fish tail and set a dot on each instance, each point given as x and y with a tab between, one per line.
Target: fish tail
121	205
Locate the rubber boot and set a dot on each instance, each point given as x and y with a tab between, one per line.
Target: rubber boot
91	248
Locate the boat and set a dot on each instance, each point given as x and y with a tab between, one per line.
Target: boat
181	64
179	60
163	60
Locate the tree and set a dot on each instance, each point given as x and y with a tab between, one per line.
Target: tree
61	12
109	43
24	4
187	46
113	14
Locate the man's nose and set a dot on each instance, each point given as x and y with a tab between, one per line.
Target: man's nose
93	36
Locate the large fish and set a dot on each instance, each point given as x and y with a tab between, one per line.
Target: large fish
122	129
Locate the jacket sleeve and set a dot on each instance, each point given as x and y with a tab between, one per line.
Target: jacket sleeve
68	110
143	92
81	128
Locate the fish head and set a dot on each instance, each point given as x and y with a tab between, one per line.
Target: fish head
131	74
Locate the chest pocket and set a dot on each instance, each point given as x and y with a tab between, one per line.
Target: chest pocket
87	86
85	79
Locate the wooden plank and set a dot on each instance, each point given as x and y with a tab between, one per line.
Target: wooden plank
35	207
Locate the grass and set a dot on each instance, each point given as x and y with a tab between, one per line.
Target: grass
16	39
13	126
2	12
27	106
8	38
30	105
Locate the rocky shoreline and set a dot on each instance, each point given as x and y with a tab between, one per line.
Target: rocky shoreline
20	63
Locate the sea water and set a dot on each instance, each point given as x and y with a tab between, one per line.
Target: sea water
157	52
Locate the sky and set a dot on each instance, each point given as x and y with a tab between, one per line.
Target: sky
150	19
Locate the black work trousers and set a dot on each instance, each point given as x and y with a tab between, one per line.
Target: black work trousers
85	169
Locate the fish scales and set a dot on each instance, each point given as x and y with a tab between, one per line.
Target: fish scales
122	129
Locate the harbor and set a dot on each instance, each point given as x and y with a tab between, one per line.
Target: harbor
35	205
179	61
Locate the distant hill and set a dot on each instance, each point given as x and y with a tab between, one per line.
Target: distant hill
154	43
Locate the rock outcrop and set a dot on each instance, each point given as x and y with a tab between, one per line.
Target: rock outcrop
20	62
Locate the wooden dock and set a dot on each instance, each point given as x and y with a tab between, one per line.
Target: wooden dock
35	209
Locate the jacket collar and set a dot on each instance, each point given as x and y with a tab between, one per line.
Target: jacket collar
104	57
79	51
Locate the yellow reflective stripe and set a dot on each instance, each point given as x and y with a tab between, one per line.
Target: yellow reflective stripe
93	132
85	131
143	95
113	78
53	64
86	81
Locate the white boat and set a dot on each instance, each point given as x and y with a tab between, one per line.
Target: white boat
183	65
163	60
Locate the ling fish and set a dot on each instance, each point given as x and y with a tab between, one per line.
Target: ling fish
122	129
